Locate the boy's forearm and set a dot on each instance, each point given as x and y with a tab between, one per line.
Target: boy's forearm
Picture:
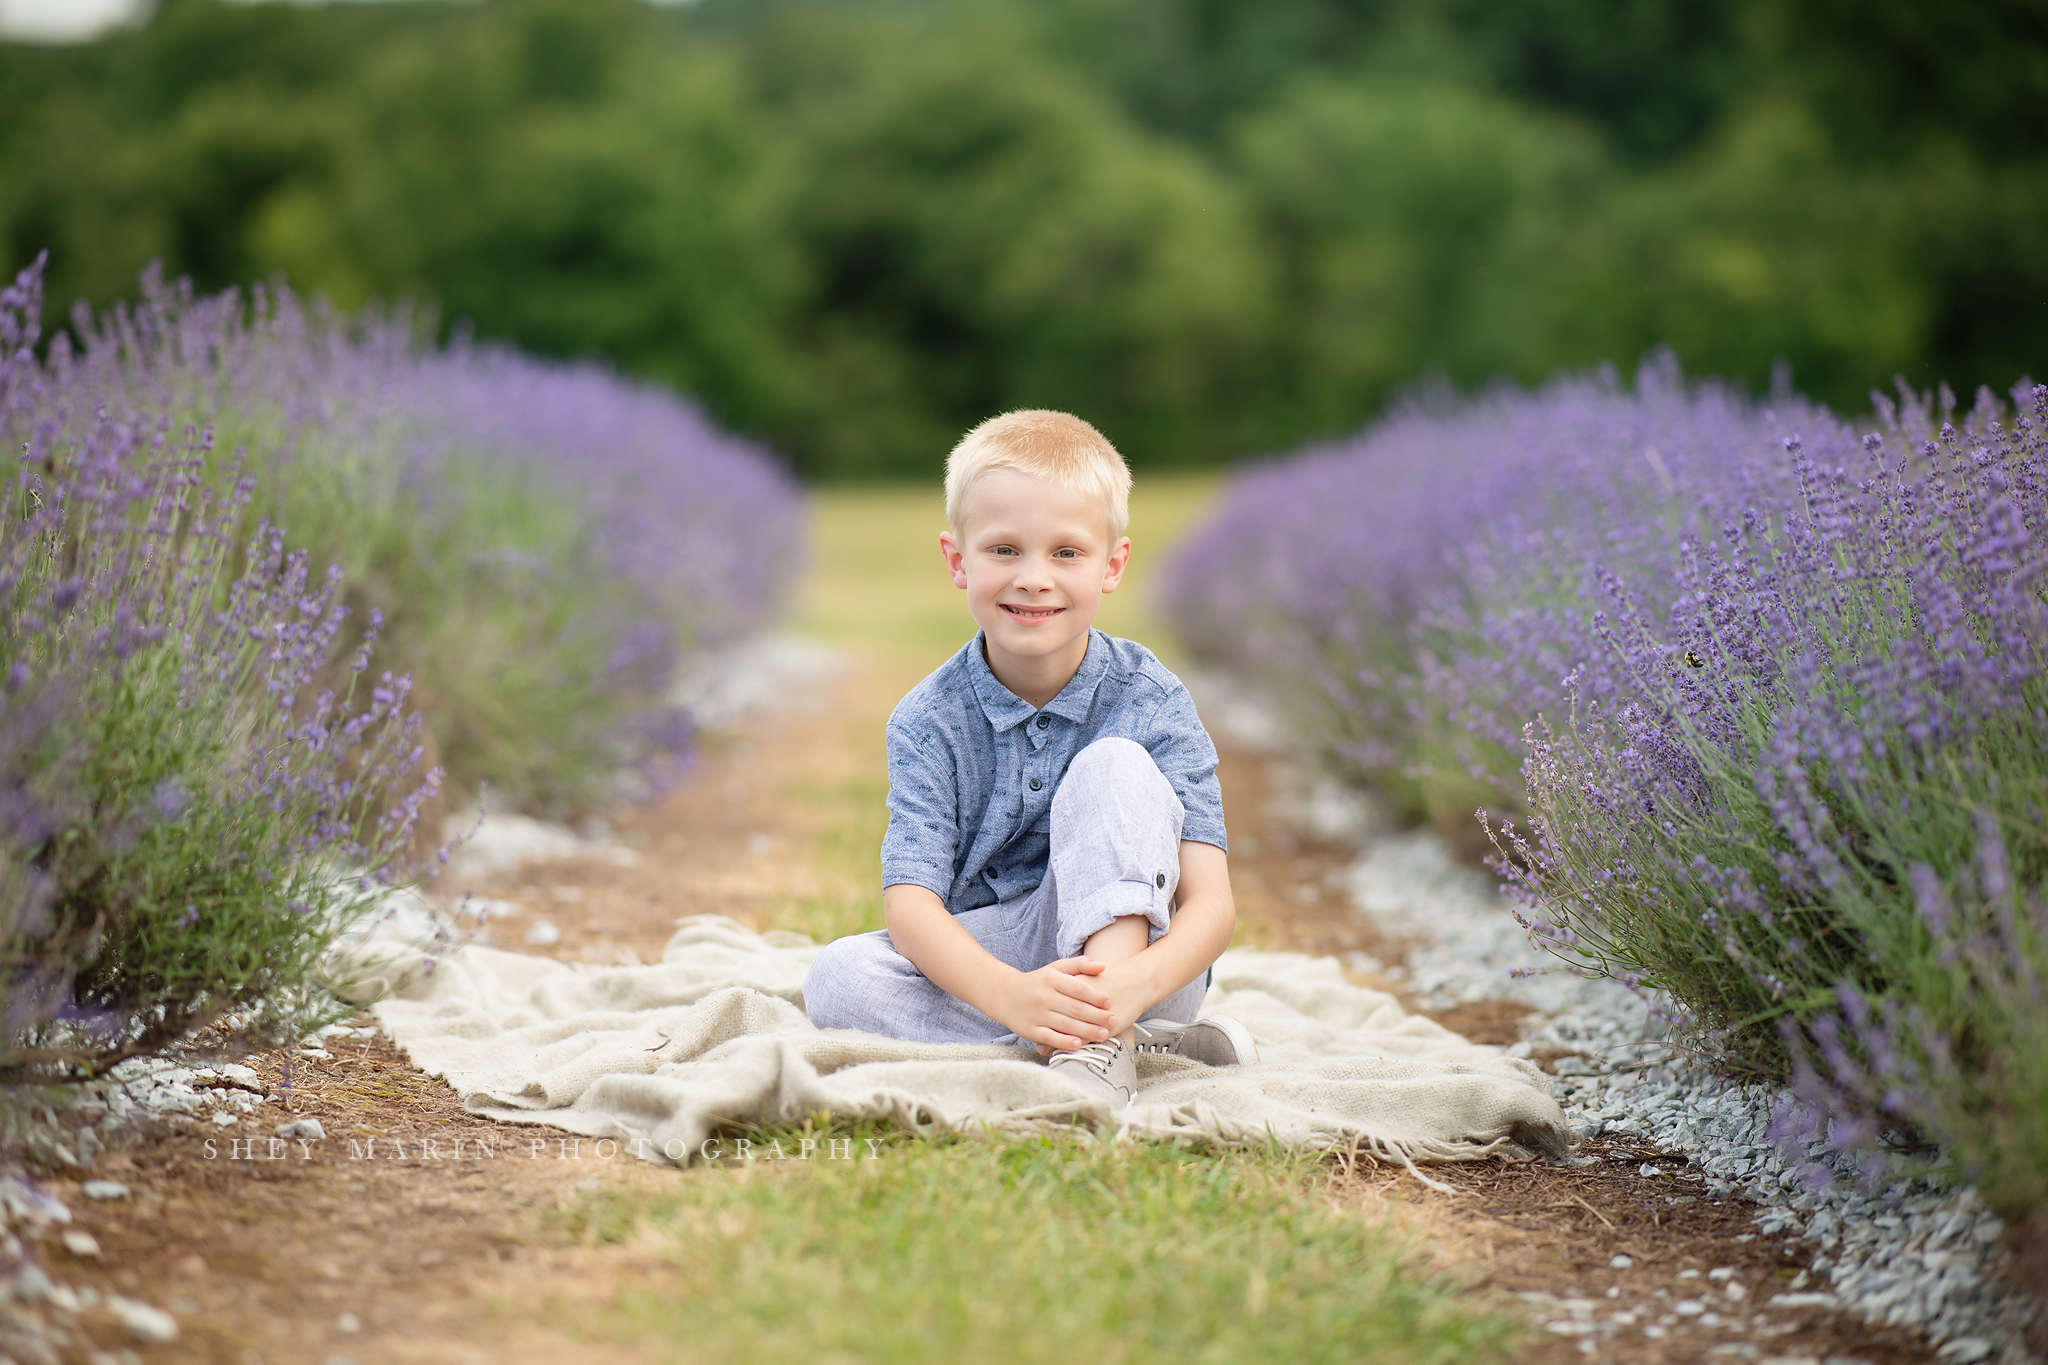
1200	932
1203	921
921	928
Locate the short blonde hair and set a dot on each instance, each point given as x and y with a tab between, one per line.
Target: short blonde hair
1057	446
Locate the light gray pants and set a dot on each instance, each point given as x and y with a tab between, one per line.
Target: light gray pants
1115	852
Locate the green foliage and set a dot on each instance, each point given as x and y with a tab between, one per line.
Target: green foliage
497	601
1046	1250
857	227
1413	220
983	232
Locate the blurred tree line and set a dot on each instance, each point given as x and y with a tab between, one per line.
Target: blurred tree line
1213	226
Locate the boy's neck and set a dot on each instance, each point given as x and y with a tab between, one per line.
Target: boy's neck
1036	679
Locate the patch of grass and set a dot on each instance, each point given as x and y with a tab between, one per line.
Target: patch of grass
1057	1250
841	852
825	917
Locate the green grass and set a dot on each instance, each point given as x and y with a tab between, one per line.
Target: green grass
842	852
1056	1250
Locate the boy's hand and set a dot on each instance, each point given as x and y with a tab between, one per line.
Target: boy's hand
1059	1007
1130	987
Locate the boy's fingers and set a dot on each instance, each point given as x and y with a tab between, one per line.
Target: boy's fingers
1087	1011
1080	988
1092	1007
1057	1041
1095	1024
1078	966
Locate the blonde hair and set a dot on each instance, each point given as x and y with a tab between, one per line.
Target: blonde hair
1056	446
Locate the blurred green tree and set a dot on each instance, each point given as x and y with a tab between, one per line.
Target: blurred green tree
985	232
856	226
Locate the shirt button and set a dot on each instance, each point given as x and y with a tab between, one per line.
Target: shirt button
1160	881
1036	784
1044	721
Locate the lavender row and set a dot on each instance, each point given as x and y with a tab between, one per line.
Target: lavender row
545	541
270	580
1749	697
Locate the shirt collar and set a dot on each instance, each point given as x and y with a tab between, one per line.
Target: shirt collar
1006	710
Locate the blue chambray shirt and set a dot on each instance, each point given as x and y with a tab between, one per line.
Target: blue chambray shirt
973	768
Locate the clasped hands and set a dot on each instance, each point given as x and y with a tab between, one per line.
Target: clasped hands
1075	1001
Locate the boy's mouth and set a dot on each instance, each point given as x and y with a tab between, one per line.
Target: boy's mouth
1031	613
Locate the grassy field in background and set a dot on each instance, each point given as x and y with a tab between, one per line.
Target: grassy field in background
875	583
949	1248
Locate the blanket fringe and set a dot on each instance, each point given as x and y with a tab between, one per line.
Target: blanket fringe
1393	1150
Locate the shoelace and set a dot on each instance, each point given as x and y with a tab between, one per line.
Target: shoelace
1154	1039
1097	1057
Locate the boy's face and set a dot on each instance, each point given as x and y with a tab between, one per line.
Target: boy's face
1035	559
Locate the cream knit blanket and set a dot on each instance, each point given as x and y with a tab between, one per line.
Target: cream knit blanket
661	1057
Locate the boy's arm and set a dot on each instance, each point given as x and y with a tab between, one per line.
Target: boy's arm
1204	918
1060	1005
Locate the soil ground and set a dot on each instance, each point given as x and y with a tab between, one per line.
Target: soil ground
420	1248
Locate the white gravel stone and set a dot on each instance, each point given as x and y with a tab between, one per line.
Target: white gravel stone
143	1322
104	1189
504	843
32	1284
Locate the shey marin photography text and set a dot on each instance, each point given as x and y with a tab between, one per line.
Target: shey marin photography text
552	1148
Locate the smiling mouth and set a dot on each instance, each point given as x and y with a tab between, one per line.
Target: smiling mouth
1031	613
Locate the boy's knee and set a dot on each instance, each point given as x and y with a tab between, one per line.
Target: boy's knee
1114	762
1114	765
1111	755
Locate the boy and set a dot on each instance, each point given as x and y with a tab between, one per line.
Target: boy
1054	867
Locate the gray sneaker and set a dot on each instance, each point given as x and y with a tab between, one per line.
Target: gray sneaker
1107	1068
1218	1040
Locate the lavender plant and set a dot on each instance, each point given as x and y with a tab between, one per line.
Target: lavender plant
1773	687
1413	594
200	785
544	542
1817	820
621	534
178	800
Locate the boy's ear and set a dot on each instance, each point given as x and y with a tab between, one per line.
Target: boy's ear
955	555
1119	560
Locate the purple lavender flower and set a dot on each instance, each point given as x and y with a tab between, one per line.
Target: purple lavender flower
1762	689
